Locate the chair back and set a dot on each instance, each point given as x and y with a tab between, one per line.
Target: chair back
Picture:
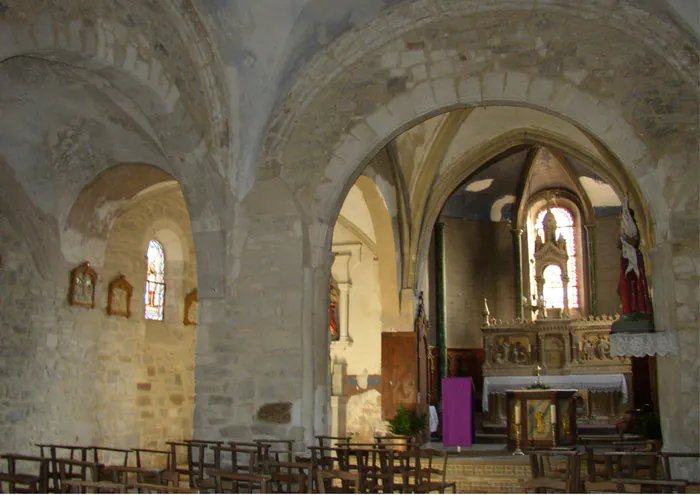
278	450
18	484
677	457
546	476
337	481
289	477
226	482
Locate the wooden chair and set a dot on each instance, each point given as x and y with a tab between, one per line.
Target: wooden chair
240	482
432	472
337	481
667	468
70	470
289	477
544	477
372	464
160	459
194	457
329	441
27	482
278	450
82	486
131	475
151	488
122	455
396	442
18	484
56	451
262	452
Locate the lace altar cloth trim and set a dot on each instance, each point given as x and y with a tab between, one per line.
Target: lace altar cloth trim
592	383
644	344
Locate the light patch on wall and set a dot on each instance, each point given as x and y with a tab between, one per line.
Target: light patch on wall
479	185
600	193
497	208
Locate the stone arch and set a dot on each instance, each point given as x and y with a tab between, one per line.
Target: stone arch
163	82
463	69
385	251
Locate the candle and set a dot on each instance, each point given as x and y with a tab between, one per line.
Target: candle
553	414
517	413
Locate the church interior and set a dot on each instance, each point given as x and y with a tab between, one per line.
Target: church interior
241	220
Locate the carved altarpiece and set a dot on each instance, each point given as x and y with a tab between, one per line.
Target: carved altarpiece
560	347
191	303
83	280
119	297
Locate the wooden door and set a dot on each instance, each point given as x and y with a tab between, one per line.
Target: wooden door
399	371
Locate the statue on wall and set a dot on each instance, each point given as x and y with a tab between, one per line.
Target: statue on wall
632	286
335	294
633	282
191	306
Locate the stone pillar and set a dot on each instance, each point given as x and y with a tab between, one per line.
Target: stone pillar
339	399
517	252
441	300
589	259
344	311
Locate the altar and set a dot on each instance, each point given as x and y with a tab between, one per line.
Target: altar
541	418
572	353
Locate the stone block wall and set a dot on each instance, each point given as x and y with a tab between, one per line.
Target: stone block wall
76	375
480	264
47	351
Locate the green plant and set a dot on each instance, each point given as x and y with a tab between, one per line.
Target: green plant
407	422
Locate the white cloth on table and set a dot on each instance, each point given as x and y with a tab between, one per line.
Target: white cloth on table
644	344
434	419
592	383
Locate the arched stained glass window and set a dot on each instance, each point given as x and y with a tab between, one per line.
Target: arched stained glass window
553	295
154	294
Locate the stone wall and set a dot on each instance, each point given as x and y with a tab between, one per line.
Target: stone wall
607	264
146	367
479	264
76	375
48	363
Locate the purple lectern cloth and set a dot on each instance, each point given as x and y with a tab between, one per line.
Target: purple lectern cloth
457	412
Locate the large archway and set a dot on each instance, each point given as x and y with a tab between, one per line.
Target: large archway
436	74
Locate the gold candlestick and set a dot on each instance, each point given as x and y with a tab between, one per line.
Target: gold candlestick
518	434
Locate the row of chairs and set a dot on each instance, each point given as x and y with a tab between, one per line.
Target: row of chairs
596	470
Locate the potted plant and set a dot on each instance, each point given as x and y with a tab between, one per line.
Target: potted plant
408	423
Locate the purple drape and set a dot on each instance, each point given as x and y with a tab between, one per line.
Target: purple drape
457	412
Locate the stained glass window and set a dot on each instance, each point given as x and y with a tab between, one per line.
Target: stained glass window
154	295
553	293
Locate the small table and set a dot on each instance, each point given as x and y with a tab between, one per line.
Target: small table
545	418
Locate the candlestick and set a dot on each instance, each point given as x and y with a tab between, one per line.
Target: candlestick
517	413
553	414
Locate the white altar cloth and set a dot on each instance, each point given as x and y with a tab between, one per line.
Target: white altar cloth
592	383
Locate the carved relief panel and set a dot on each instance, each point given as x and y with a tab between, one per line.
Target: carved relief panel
119	297
83	280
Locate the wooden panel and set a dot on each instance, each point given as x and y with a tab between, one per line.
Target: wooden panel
399	371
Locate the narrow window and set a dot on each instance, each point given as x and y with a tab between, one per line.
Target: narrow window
154	297
553	287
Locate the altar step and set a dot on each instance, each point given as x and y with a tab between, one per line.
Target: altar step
488	475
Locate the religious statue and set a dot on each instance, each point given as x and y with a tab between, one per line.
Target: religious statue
633	282
539	422
586	349
603	347
335	334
